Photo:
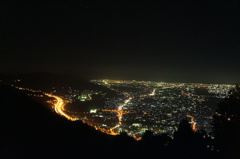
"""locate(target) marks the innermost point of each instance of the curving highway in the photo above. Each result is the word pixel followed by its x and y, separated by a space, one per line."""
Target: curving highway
pixel 59 107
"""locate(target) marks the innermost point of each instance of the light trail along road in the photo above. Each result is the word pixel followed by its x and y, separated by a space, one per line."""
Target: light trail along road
pixel 58 107
pixel 194 125
pixel 120 113
pixel 153 93
pixel 120 110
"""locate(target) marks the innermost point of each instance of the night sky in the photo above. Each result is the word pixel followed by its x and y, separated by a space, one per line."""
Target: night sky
pixel 161 40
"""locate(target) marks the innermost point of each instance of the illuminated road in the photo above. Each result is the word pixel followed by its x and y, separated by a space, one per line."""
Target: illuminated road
pixel 194 127
pixel 59 107
pixel 120 111
pixel 153 92
pixel 194 124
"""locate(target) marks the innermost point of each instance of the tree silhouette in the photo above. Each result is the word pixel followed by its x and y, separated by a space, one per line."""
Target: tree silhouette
pixel 184 132
pixel 226 124
pixel 184 139
pixel 154 145
pixel 124 146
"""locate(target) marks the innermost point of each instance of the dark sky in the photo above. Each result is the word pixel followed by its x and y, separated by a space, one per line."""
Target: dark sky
pixel 161 40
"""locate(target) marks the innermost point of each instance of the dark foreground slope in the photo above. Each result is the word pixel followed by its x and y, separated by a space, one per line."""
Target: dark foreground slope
pixel 30 130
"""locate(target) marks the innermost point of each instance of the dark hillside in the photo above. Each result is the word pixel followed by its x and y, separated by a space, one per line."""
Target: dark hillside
pixel 30 130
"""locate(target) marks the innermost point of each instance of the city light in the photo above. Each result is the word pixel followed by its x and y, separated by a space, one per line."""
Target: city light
pixel 155 106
